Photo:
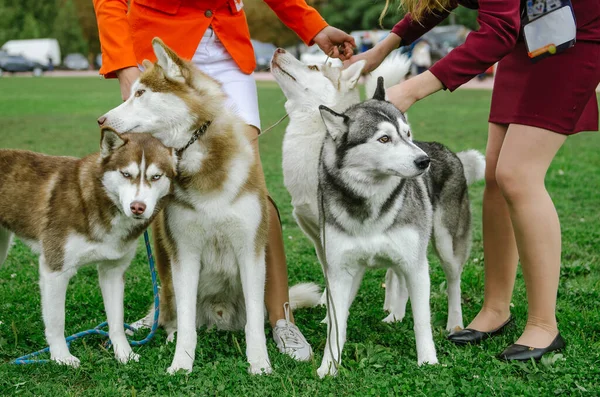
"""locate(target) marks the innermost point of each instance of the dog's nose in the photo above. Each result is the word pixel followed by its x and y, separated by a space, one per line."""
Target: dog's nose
pixel 422 162
pixel 101 120
pixel 137 207
pixel 280 51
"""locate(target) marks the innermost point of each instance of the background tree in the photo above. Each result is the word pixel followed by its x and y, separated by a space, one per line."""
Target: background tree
pixel 67 29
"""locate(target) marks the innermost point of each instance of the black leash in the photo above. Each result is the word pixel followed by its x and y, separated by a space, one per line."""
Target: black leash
pixel 197 134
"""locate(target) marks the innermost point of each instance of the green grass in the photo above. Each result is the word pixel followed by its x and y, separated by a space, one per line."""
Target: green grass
pixel 57 116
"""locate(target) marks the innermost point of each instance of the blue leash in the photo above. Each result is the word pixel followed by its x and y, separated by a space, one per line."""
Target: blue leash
pixel 27 359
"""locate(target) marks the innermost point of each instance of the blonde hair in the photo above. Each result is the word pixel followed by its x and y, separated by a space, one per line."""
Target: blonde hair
pixel 418 8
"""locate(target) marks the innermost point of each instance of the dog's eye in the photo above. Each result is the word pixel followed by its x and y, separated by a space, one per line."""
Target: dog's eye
pixel 156 177
pixel 408 133
pixel 384 139
pixel 126 174
pixel 139 93
pixel 313 67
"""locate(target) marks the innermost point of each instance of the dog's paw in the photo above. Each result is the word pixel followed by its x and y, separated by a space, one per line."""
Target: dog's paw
pixel 262 367
pixel 453 326
pixel 427 360
pixel 393 318
pixel 171 337
pixel 69 360
pixel 124 358
pixel 327 369
pixel 176 367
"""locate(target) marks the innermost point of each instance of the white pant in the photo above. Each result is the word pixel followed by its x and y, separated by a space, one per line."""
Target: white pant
pixel 212 58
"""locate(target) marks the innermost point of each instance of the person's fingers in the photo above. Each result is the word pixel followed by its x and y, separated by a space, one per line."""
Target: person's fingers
pixel 351 42
pixel 348 50
pixel 333 52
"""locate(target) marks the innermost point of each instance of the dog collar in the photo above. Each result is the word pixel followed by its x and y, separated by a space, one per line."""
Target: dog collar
pixel 197 134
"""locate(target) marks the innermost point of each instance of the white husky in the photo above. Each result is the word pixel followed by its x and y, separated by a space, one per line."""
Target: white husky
pixel 440 203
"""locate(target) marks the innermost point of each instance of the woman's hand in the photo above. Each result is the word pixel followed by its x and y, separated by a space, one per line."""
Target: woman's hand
pixel 377 54
pixel 405 94
pixel 335 43
pixel 127 76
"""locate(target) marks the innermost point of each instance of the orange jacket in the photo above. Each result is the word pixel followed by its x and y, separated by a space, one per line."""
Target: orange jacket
pixel 126 35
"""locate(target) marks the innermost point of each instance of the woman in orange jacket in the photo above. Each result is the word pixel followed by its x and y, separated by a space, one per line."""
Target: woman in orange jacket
pixel 214 35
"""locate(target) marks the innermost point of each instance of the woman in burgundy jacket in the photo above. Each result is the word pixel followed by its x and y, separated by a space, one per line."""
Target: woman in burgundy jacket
pixel 535 106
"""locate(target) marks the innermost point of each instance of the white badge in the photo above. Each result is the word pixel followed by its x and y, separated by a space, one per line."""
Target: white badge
pixel 549 27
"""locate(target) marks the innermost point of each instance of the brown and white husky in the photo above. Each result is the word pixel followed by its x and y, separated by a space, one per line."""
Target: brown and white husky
pixel 76 212
pixel 214 231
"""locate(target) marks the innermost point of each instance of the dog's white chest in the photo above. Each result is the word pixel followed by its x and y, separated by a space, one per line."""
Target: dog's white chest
pixel 113 246
pixel 399 247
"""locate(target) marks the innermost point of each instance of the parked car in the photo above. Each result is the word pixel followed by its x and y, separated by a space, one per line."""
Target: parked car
pixel 41 51
pixel 18 63
pixel 76 62
pixel 444 39
pixel 263 53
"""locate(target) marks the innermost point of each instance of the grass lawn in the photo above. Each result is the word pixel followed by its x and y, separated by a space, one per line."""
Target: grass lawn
pixel 57 116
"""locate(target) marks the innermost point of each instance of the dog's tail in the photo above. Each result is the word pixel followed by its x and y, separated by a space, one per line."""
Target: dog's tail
pixel 5 242
pixel 304 295
pixel 393 70
pixel 473 164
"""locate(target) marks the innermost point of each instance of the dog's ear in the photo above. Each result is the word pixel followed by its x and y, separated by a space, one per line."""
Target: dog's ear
pixel 380 90
pixel 167 60
pixel 335 123
pixel 147 64
pixel 352 73
pixel 110 141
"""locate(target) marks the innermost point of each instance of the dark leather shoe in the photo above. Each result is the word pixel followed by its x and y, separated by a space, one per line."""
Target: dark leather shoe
pixel 472 336
pixel 525 353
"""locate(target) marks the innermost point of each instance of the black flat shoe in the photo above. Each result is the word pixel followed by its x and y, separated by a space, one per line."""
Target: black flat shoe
pixel 525 353
pixel 472 336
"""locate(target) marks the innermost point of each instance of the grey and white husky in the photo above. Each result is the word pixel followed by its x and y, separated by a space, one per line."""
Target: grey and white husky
pixel 381 196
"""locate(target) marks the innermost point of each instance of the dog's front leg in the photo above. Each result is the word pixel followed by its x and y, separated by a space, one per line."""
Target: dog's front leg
pixel 53 287
pixel 112 285
pixel 186 272
pixel 340 282
pixel 252 274
pixel 418 283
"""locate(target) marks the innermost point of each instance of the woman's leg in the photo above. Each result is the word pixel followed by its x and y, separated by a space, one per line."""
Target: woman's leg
pixel 499 247
pixel 524 160
pixel 276 289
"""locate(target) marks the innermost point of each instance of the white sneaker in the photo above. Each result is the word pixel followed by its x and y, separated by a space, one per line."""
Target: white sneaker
pixel 289 339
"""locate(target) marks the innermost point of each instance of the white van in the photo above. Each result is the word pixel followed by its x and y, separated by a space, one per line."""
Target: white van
pixel 37 50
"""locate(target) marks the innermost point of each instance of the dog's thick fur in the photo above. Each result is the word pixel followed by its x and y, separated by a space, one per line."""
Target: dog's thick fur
pixel 381 200
pixel 214 233
pixel 75 212
pixel 306 87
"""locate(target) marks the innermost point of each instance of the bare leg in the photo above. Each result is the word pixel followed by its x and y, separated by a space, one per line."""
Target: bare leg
pixel 524 160
pixel 276 287
pixel 499 247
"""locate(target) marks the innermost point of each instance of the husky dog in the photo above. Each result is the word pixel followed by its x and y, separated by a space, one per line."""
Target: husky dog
pixel 75 212
pixel 379 201
pixel 307 87
pixel 214 232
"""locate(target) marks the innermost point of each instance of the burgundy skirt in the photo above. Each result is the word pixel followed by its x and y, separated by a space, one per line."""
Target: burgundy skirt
pixel 557 93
